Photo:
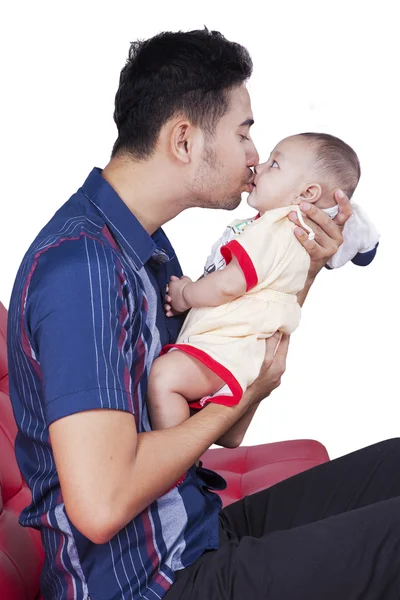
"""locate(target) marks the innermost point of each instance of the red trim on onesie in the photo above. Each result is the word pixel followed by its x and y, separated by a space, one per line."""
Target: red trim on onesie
pixel 217 368
pixel 234 248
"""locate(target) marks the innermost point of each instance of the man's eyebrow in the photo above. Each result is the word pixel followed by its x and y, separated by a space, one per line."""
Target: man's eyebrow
pixel 247 123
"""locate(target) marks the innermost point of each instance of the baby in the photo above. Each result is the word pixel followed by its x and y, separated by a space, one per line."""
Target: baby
pixel 248 291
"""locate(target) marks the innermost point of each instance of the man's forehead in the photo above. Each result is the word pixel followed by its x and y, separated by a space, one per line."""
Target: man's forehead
pixel 240 106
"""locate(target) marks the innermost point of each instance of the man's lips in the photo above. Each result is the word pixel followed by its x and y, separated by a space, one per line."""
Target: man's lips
pixel 250 187
pixel 250 183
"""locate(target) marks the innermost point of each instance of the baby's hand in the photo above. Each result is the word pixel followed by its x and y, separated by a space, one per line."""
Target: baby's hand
pixel 175 303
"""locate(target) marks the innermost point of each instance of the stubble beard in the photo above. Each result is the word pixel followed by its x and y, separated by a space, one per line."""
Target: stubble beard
pixel 212 187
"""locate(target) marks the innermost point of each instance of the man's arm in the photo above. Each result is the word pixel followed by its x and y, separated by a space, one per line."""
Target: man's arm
pixel 109 473
pixel 301 296
pixel 234 437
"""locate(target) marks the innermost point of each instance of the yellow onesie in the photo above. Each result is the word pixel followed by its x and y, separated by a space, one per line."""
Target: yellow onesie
pixel 229 339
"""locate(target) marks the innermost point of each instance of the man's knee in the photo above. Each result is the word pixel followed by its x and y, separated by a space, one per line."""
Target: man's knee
pixel 388 447
pixel 392 444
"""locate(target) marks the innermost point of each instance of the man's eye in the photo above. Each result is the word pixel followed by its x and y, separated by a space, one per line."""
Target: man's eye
pixel 274 165
pixel 243 137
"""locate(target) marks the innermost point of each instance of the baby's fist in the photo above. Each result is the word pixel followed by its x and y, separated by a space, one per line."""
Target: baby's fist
pixel 175 300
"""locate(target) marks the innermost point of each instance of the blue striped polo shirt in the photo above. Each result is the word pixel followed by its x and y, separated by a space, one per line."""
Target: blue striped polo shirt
pixel 86 321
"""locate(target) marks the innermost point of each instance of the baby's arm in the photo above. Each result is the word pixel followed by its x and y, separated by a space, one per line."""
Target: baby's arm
pixel 217 288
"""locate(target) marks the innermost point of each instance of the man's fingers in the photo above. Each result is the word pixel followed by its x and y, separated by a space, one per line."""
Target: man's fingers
pixel 277 345
pixel 328 236
pixel 283 346
pixel 281 355
pixel 345 208
pixel 271 346
pixel 276 349
pixel 319 234
pixel 321 222
pixel 313 247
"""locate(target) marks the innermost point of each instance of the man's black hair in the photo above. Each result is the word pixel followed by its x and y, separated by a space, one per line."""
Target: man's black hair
pixel 175 73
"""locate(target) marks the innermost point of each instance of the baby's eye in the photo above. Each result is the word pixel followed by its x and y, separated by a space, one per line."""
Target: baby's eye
pixel 243 138
pixel 274 165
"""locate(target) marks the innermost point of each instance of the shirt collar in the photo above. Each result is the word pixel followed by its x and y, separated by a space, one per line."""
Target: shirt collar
pixel 126 228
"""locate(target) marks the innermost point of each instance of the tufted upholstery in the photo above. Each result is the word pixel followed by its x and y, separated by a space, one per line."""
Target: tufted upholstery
pixel 21 554
pixel 3 350
pixel 246 469
pixel 249 469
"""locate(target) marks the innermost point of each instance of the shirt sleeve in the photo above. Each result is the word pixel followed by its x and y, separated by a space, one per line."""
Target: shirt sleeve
pixel 264 250
pixel 78 322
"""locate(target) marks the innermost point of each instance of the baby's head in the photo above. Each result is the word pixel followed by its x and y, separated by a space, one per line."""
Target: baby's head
pixel 307 166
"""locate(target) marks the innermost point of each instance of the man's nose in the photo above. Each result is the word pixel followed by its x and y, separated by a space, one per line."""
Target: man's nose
pixel 253 158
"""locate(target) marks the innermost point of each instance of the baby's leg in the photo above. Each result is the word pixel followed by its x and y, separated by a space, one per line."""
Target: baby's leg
pixel 176 378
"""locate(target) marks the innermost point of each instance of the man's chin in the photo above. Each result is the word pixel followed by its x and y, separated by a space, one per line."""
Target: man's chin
pixel 232 203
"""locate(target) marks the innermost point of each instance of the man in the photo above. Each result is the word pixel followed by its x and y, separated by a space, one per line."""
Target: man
pixel 123 510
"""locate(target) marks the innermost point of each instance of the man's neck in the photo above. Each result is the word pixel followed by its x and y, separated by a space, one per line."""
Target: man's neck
pixel 148 190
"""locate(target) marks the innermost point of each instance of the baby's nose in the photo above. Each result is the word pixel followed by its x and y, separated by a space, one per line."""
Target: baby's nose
pixel 261 167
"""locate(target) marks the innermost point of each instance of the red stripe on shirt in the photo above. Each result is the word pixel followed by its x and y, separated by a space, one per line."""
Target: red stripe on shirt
pixel 233 248
pixel 25 339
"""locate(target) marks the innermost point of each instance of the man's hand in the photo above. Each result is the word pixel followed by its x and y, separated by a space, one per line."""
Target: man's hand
pixel 328 232
pixel 276 349
pixel 273 367
pixel 175 302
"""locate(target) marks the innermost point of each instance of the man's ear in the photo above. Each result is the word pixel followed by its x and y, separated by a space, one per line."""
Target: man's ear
pixel 311 193
pixel 181 140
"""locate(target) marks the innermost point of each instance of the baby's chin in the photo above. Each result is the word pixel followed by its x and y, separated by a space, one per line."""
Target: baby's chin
pixel 261 204
pixel 254 202
pixel 251 199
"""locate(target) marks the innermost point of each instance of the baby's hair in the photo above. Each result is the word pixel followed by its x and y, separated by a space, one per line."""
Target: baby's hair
pixel 336 159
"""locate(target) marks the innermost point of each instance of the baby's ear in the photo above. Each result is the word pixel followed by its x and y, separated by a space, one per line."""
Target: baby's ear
pixel 312 193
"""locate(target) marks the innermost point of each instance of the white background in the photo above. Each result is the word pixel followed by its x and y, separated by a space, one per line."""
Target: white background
pixel 318 66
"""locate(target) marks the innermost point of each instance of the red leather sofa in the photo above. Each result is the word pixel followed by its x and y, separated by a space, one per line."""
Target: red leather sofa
pixel 246 469
pixel 21 553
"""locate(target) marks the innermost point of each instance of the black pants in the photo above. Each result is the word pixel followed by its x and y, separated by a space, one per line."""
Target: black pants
pixel 330 533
